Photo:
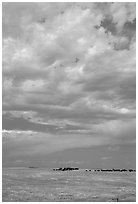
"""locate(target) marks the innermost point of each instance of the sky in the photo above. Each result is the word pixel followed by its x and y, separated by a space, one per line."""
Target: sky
pixel 69 92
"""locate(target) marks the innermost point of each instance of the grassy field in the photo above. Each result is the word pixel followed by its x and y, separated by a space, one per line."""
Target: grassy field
pixel 31 185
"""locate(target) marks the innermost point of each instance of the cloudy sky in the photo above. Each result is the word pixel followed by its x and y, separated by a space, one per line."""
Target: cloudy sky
pixel 69 84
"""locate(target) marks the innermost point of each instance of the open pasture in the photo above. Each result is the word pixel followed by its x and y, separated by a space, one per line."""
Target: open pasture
pixel 31 185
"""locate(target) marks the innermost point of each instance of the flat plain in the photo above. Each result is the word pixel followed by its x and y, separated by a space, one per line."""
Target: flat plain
pixel 46 185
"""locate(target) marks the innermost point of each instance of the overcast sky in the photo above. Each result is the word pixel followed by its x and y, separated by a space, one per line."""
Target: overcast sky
pixel 69 84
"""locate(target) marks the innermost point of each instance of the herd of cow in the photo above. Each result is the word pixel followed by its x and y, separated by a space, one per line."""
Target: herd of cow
pixel 97 170
pixel 66 169
pixel 115 170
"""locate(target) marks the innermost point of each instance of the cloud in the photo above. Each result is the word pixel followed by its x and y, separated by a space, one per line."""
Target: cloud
pixel 32 143
pixel 69 69
pixel 71 162
pixel 105 158
pixel 123 12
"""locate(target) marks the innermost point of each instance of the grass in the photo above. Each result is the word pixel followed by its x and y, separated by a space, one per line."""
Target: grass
pixel 31 185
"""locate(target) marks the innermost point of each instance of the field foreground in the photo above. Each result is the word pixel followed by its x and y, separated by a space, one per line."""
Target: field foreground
pixel 36 185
